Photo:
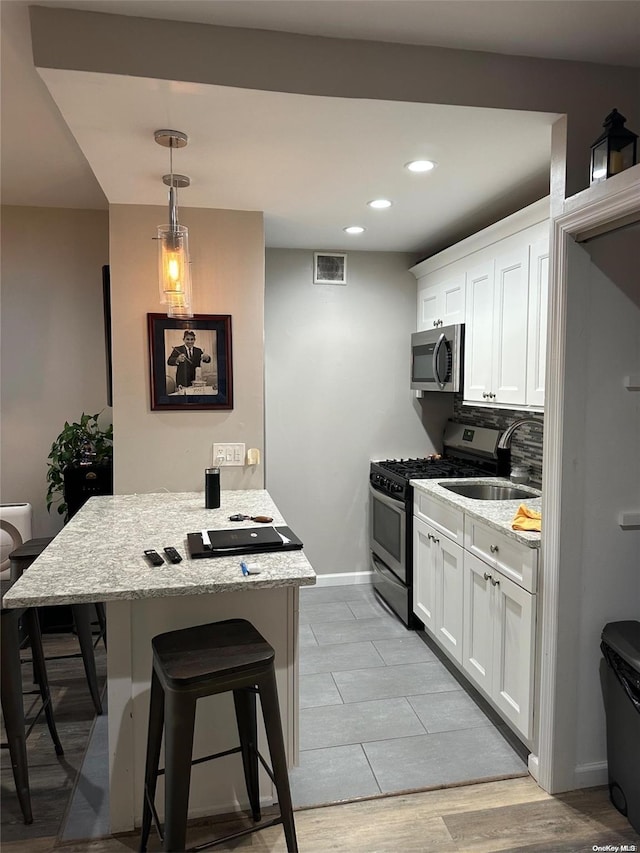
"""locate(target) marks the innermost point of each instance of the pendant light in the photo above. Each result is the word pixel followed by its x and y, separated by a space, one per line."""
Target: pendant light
pixel 173 239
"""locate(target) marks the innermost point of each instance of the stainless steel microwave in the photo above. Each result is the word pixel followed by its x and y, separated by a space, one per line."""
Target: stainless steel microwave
pixel 437 359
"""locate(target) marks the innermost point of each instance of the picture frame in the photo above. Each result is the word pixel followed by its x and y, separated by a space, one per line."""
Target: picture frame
pixel 190 362
pixel 329 268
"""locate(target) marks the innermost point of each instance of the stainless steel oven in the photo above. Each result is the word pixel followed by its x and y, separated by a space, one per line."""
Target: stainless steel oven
pixel 388 531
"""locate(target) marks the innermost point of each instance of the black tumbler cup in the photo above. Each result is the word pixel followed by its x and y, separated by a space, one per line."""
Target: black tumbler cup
pixel 212 488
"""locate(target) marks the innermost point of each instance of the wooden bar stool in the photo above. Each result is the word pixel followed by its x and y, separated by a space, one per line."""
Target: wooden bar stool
pixel 11 694
pixel 189 664
pixel 20 560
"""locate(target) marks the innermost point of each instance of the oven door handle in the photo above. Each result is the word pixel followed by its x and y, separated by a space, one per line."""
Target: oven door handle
pixel 385 499
pixel 375 562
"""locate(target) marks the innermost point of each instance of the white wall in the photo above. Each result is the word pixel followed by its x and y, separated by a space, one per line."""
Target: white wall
pixel 337 395
pixel 157 451
pixel 601 478
pixel 53 347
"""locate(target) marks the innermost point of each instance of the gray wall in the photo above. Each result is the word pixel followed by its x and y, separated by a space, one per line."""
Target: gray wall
pixel 53 349
pixel 337 395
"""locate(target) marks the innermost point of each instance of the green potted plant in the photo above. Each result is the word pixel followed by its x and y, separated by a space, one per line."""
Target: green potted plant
pixel 80 443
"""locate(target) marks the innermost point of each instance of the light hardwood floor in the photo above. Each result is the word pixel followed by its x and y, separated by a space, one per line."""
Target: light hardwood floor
pixel 508 815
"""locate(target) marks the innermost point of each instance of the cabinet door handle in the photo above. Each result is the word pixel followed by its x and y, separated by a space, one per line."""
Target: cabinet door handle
pixel 429 536
pixel 493 549
pixel 484 395
pixel 487 577
pixel 493 396
pixel 495 583
pixel 437 541
pixel 435 322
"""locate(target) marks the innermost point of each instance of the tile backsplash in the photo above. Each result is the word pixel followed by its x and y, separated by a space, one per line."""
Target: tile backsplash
pixel 526 446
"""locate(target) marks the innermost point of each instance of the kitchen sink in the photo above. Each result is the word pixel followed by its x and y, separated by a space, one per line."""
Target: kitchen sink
pixel 487 491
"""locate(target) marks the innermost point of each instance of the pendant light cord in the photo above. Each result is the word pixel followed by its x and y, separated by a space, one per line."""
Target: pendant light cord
pixel 173 201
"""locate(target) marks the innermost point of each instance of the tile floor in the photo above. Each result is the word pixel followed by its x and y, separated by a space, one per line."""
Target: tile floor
pixel 379 712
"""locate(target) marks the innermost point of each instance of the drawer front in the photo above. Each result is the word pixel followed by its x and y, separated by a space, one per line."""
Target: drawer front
pixel 445 519
pixel 516 561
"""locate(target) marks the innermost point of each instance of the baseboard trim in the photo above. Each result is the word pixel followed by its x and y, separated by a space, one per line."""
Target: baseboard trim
pixel 592 774
pixel 343 579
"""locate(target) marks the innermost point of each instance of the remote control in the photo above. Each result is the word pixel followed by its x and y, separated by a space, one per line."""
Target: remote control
pixel 172 555
pixel 154 558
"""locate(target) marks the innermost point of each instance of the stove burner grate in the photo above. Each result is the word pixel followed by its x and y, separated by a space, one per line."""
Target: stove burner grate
pixel 430 468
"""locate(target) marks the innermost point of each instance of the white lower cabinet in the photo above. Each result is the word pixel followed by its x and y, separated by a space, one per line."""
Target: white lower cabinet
pixel 480 609
pixel 438 586
pixel 499 642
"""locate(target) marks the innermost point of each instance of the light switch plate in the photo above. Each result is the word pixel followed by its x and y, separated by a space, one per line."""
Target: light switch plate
pixel 228 454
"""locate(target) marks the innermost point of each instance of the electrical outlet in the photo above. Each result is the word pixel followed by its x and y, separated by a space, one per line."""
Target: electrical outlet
pixel 228 454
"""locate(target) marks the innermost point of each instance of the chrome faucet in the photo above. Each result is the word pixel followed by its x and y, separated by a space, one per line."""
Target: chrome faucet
pixel 505 439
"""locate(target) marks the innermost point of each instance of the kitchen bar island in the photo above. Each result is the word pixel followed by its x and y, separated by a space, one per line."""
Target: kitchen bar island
pixel 98 556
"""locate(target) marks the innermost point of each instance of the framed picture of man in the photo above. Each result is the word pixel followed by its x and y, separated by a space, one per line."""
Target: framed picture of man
pixel 190 362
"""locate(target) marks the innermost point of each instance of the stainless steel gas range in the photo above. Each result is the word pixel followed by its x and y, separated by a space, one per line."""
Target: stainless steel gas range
pixel 468 452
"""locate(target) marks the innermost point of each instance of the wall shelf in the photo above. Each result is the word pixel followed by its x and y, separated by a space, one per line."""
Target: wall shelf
pixel 632 383
pixel 629 520
pixel 617 185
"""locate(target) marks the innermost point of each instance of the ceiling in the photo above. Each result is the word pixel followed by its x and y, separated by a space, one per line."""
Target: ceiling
pixel 310 163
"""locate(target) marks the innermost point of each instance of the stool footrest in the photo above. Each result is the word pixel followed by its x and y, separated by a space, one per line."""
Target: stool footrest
pixel 195 761
pixel 207 844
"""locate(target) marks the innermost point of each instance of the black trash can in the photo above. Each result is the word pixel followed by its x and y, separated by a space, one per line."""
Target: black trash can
pixel 620 676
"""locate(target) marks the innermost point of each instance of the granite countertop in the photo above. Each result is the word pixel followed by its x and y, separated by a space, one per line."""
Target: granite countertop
pixel 98 556
pixel 497 514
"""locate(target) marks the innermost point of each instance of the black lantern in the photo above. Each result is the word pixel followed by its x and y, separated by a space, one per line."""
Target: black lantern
pixel 615 150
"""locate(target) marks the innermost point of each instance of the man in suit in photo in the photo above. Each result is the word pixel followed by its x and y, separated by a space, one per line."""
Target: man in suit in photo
pixel 187 358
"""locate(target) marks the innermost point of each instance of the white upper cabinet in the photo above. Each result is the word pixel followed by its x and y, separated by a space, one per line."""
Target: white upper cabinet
pixel 495 282
pixel 441 302
pixel 510 326
pixel 496 327
pixel 538 299
pixel 478 343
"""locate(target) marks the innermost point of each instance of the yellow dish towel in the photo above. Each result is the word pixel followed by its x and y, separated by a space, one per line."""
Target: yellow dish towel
pixel 527 519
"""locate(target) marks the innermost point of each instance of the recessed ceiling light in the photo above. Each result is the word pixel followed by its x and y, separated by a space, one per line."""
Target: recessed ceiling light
pixel 420 165
pixel 354 229
pixel 379 203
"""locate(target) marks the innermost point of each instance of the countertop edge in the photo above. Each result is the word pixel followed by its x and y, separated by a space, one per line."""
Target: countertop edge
pixel 241 585
pixel 478 509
